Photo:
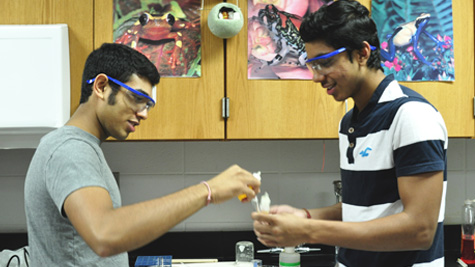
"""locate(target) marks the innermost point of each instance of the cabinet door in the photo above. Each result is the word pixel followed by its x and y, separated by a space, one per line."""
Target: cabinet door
pixel 187 108
pixel 290 109
pixel 275 109
pixel 454 99
pixel 78 15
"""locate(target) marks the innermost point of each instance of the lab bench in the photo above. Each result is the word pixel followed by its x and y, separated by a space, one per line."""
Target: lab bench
pixel 221 246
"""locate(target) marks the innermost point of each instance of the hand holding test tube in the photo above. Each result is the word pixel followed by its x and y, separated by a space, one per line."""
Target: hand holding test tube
pixel 256 175
pixel 264 203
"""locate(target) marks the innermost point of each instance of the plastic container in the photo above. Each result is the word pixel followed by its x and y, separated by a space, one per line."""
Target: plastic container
pixel 468 227
pixel 289 258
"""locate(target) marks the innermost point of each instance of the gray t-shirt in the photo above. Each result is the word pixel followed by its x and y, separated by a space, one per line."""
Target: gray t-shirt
pixel 66 160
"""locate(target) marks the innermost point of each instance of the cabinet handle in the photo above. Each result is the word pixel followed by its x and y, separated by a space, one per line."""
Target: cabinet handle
pixel 225 107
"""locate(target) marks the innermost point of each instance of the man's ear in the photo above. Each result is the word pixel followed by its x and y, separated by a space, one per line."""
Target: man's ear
pixel 364 53
pixel 99 85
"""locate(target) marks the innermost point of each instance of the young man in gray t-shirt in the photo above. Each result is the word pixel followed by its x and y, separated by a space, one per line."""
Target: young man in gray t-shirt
pixel 73 207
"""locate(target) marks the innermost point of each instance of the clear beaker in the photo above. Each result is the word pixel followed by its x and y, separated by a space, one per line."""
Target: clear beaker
pixel 244 251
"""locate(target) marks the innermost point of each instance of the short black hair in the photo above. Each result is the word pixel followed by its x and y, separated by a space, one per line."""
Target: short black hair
pixel 117 61
pixel 343 23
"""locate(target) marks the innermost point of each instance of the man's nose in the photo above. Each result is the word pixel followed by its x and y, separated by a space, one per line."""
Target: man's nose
pixel 317 77
pixel 143 114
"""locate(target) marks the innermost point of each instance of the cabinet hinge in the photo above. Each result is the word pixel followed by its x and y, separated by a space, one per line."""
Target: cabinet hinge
pixel 225 107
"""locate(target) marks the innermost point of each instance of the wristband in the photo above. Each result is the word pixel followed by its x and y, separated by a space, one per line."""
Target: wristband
pixel 308 213
pixel 208 199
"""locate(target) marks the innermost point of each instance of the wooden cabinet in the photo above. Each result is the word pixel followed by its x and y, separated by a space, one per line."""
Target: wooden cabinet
pixel 190 108
pixel 187 108
pixel 275 109
pixel 263 109
pixel 455 99
pixel 79 17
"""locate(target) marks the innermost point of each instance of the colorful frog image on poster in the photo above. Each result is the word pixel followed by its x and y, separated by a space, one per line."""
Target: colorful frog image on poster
pixel 286 48
pixel 167 32
pixel 416 39
pixel 285 34
pixel 409 34
pixel 275 49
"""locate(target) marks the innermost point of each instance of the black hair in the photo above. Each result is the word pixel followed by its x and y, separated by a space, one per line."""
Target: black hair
pixel 117 61
pixel 343 23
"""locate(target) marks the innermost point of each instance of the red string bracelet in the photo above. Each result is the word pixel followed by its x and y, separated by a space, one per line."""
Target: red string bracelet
pixel 208 200
pixel 308 213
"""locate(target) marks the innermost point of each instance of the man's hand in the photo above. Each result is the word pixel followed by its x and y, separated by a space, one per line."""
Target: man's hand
pixel 280 230
pixel 233 182
pixel 279 209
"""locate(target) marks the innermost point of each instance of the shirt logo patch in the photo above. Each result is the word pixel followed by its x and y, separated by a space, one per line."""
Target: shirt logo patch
pixel 365 152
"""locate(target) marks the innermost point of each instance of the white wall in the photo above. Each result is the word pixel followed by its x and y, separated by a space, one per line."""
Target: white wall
pixel 291 172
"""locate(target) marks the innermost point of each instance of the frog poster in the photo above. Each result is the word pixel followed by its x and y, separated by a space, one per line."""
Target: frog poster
pixel 275 49
pixel 416 39
pixel 167 32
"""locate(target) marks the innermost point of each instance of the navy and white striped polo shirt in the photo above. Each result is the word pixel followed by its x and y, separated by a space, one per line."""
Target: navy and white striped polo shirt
pixel 399 133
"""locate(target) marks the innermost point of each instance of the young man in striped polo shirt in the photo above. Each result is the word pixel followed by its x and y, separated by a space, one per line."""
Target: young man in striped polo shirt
pixel 393 147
